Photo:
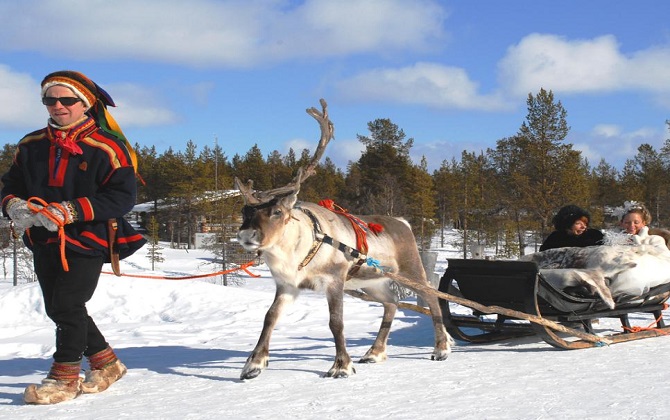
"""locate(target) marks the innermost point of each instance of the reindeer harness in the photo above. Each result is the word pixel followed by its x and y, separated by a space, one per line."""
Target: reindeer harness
pixel 319 238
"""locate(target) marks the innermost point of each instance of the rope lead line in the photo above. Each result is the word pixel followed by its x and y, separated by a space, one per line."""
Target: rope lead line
pixel 647 328
pixel 30 203
pixel 244 267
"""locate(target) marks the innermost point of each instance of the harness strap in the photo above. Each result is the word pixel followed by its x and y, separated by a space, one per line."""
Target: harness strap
pixel 316 245
pixel 347 250
pixel 316 234
pixel 320 238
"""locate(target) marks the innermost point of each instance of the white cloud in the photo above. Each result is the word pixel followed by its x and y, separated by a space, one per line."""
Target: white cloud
pixel 344 151
pixel 606 130
pixel 298 145
pixel 20 104
pixel 438 151
pixel 136 106
pixel 428 84
pixel 200 92
pixel 341 152
pixel 648 70
pixel 612 143
pixel 588 152
pixel 576 66
pixel 208 33
pixel 327 28
pixel 537 61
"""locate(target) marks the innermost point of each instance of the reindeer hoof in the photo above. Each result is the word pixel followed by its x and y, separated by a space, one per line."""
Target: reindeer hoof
pixel 337 375
pixel 254 366
pixel 251 373
pixel 440 355
pixel 373 358
pixel 340 373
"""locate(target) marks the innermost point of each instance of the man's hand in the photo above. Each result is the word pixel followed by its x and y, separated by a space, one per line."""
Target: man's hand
pixel 21 215
pixel 56 215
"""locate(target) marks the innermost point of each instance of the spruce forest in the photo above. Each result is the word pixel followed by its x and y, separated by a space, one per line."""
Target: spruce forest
pixel 503 197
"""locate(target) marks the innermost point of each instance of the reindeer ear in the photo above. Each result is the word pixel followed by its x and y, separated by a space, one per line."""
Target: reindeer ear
pixel 289 200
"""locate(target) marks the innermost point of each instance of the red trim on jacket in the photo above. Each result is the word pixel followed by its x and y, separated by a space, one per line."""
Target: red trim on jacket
pixel 116 152
pixel 77 243
pixel 86 208
pixel 95 238
pixel 130 239
pixel 57 174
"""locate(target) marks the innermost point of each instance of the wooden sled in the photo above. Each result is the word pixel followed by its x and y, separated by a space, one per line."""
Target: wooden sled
pixel 519 286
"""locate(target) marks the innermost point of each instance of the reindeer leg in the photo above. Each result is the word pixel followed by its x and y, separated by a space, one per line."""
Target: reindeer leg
pixel 343 366
pixel 260 357
pixel 377 353
pixel 443 340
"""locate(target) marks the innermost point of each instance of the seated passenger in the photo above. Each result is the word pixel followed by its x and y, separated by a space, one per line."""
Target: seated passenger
pixel 635 220
pixel 572 229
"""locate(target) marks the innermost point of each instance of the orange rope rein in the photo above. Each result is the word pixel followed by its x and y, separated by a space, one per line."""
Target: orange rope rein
pixel 30 203
pixel 647 328
pixel 244 267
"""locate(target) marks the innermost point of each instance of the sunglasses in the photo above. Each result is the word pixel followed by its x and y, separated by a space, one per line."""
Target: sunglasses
pixel 65 101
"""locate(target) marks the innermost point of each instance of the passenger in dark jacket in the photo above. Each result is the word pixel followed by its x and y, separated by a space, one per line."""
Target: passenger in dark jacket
pixel 67 182
pixel 572 229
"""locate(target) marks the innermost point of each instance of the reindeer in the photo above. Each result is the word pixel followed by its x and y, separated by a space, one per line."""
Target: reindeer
pixel 288 235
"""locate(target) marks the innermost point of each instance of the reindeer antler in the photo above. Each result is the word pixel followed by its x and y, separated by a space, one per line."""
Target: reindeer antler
pixel 252 197
pixel 327 133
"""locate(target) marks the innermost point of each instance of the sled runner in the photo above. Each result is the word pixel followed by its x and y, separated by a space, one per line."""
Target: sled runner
pixel 519 286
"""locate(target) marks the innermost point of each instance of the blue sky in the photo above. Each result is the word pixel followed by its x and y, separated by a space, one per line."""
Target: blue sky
pixel 454 75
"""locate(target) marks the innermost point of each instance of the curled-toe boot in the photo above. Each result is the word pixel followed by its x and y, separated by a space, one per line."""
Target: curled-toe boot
pixel 106 369
pixel 61 384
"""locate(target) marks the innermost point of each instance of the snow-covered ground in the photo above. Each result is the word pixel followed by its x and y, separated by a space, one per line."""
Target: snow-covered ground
pixel 185 342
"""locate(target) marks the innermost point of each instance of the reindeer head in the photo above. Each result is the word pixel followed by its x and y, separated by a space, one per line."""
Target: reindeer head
pixel 265 213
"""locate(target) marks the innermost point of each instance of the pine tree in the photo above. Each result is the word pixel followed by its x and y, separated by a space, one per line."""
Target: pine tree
pixel 652 180
pixel 385 170
pixel 447 180
pixel 326 183
pixel 421 205
pixel 154 254
pixel 540 172
pixel 253 167
pixel 605 191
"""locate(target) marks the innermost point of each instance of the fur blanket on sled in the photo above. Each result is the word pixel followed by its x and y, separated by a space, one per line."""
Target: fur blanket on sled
pixel 606 271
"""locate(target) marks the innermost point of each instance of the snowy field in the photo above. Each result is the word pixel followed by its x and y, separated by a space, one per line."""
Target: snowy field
pixel 185 342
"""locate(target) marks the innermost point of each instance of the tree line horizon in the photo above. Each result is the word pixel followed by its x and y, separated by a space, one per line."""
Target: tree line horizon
pixel 504 196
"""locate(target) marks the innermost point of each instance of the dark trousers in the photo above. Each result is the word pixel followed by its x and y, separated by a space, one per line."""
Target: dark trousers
pixel 65 295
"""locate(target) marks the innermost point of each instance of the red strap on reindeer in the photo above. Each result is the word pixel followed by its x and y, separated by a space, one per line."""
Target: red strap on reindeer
pixel 360 227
